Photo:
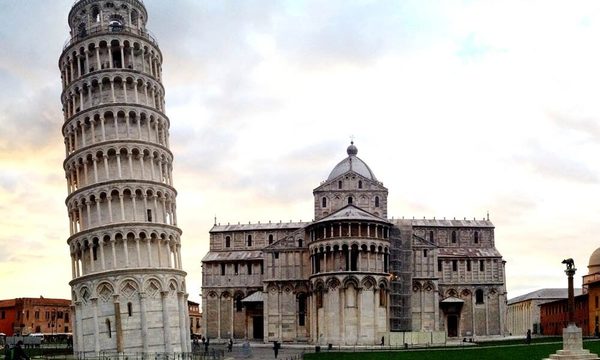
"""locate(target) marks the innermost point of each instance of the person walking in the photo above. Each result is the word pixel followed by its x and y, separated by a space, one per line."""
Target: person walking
pixel 276 348
pixel 528 338
pixel 18 352
pixel 7 352
pixel 230 345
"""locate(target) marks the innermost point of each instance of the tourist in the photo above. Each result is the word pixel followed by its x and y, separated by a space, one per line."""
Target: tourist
pixel 18 352
pixel 276 348
pixel 528 339
pixel 7 353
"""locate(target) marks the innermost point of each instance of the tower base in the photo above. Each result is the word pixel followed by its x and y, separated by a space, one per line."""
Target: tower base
pixel 573 346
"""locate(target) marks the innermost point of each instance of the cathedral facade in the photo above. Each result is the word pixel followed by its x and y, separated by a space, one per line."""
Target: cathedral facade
pixel 352 276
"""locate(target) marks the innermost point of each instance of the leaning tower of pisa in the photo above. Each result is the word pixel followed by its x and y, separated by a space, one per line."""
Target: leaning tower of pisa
pixel 128 286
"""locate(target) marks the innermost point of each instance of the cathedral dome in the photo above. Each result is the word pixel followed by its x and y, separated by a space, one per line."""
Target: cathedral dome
pixel 352 163
pixel 594 264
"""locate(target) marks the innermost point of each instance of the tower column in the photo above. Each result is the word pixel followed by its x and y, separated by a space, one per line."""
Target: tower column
pixel 166 324
pixel 101 244
pixel 144 321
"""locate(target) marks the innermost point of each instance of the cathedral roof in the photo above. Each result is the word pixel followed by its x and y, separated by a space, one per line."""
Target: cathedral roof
pixel 463 252
pixel 233 255
pixel 352 163
pixel 444 223
pixel 259 226
pixel 351 212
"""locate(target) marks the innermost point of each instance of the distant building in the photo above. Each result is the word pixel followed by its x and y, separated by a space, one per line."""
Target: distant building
pixel 591 283
pixel 353 275
pixel 195 318
pixel 524 311
pixel 554 315
pixel 23 316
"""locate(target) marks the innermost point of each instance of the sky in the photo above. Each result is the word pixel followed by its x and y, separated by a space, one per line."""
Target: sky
pixel 460 108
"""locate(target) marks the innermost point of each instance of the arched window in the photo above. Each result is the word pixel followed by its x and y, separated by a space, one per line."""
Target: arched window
pixel 300 243
pixel 376 201
pixel 96 14
pixel 302 309
pixel 319 299
pixel 249 242
pixel 360 184
pixel 134 17
pixel 270 239
pixel 324 202
pixel 108 329
pixel 81 30
pixel 454 237
pixel 382 296
pixel 476 237
pixel 479 296
pixel 354 258
pixel 238 303
pixel 340 184
pixel 227 241
pixel 349 199
pixel 115 23
pixel 249 265
pixel 129 309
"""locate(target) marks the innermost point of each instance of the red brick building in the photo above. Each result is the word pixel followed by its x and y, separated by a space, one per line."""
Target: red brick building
pixel 23 316
pixel 195 318
pixel 554 316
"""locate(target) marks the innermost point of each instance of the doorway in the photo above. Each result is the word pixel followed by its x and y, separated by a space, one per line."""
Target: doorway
pixel 257 328
pixel 452 326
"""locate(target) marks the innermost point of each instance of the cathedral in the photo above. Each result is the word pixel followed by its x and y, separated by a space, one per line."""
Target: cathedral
pixel 352 276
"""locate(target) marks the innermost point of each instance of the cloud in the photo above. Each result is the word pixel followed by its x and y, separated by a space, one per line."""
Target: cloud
pixel 34 120
pixel 587 124
pixel 549 163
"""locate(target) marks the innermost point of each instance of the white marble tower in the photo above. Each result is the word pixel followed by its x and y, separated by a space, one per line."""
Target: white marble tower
pixel 128 286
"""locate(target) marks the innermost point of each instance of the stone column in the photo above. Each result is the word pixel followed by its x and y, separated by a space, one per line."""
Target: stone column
pixel 96 326
pixel 182 320
pixel 78 345
pixel 144 322
pixel 118 324
pixel 166 325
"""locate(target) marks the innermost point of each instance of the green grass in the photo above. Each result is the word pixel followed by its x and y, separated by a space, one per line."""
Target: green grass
pixel 497 351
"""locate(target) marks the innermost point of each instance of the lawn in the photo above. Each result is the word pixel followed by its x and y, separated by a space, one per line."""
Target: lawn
pixel 499 351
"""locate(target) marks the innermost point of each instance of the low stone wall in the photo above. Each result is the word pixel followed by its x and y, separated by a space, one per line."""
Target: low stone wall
pixel 419 338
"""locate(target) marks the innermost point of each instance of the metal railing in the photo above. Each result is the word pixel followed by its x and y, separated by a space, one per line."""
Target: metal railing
pixel 110 29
